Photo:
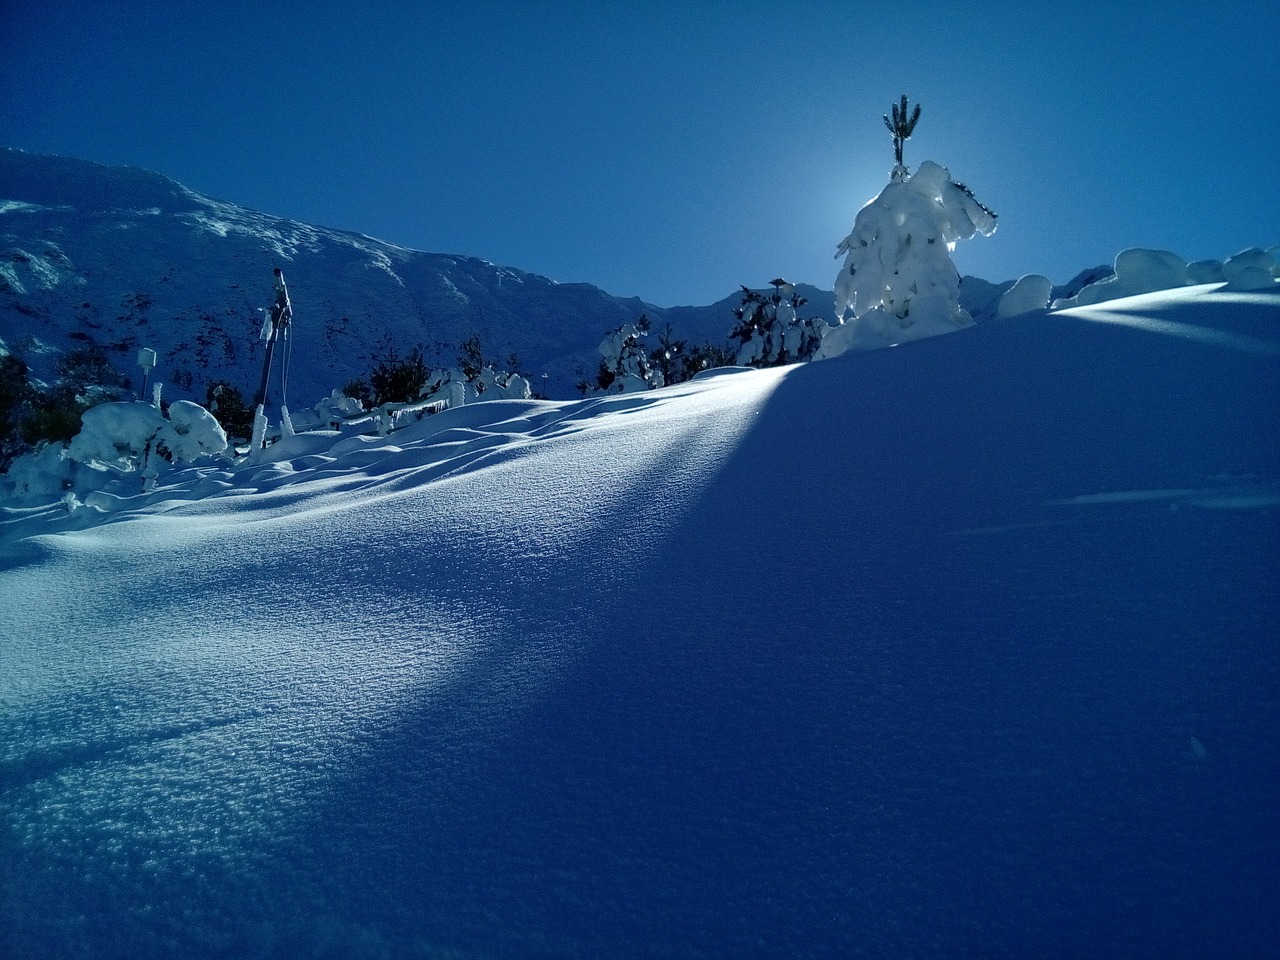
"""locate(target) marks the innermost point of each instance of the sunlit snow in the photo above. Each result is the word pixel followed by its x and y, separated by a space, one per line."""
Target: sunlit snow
pixel 961 648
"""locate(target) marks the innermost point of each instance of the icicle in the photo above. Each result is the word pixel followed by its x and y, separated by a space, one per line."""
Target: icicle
pixel 286 424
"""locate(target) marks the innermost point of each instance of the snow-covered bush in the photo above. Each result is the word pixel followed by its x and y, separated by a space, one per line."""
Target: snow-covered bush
pixel 43 474
pixel 457 388
pixel 503 386
pixel 898 279
pixel 1251 269
pixel 117 435
pixel 624 365
pixel 769 330
pixel 123 436
pixel 191 432
pixel 1137 271
pixel 1027 294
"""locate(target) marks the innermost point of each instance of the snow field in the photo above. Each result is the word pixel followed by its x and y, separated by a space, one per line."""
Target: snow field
pixel 963 647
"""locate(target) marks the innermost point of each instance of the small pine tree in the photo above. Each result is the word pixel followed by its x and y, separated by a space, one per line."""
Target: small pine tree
pixel 398 379
pixel 624 363
pixel 226 402
pixel 471 357
pixel 769 331
pixel 15 395
pixel 54 414
pixel 667 356
pixel 358 389
pixel 705 356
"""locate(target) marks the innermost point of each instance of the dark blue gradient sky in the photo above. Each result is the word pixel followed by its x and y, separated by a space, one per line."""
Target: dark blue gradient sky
pixel 673 150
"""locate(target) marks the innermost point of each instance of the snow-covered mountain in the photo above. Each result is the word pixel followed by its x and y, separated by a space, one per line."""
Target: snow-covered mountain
pixel 126 258
pixel 964 648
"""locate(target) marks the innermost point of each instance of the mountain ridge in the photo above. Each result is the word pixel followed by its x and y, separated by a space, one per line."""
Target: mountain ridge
pixel 122 258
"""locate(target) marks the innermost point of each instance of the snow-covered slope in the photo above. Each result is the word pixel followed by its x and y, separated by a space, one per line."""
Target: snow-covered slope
pixel 962 648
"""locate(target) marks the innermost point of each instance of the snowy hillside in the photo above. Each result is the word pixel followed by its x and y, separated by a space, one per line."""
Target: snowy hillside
pixel 961 648
pixel 127 258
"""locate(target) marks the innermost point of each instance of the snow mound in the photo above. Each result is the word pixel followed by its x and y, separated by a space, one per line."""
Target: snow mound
pixel 1139 271
pixel 1028 294
pixel 1251 269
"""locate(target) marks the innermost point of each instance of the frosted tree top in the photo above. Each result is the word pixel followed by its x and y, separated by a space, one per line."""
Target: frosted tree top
pixel 898 279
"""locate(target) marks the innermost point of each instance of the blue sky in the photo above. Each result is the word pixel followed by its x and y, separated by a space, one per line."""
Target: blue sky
pixel 673 150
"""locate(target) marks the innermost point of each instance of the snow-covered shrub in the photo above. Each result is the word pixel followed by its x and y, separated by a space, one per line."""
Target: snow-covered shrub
pixel 1251 269
pixel 116 435
pixel 1137 271
pixel 337 405
pixel 190 432
pixel 503 386
pixel 769 330
pixel 396 379
pixel 898 279
pixel 44 473
pixel 123 436
pixel 1205 271
pixel 1027 294
pixel 624 365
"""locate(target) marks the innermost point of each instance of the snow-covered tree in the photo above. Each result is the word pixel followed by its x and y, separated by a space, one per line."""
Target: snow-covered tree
pixel 624 365
pixel 769 329
pixel 898 279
